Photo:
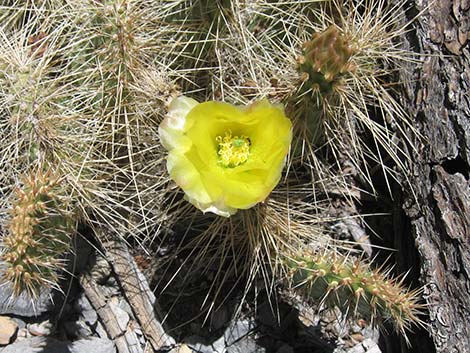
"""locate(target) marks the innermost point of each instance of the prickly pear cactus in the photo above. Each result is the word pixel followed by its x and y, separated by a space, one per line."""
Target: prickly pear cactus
pixel 87 113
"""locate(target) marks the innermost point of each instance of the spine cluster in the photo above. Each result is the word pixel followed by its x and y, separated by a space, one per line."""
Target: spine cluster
pixel 357 290
pixel 326 57
pixel 38 235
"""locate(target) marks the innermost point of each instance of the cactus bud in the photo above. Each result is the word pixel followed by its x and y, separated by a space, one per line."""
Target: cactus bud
pixel 325 59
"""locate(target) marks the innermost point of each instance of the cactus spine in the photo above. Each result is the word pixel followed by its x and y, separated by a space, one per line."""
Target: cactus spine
pixel 35 126
pixel 335 280
pixel 39 232
pixel 326 57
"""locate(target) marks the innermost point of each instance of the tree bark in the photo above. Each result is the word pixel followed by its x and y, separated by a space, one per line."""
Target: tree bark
pixel 438 214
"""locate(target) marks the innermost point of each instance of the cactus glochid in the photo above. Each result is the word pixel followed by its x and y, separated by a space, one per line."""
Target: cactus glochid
pixel 335 280
pixel 38 236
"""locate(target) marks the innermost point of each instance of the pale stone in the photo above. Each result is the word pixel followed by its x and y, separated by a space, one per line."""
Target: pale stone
pixel 8 329
pixel 40 329
pixel 51 345
pixel 183 348
pixel 22 305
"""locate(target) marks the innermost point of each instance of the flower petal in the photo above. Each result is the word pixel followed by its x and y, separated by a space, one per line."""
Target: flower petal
pixel 178 111
pixel 219 208
pixel 186 176
pixel 173 139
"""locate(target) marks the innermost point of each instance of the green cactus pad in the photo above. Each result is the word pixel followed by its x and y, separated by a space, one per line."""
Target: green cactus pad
pixel 335 280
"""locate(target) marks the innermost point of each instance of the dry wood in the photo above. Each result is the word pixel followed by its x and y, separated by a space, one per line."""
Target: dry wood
pixel 123 339
pixel 139 295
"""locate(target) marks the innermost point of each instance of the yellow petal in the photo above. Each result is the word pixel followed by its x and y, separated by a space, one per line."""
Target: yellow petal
pixel 186 176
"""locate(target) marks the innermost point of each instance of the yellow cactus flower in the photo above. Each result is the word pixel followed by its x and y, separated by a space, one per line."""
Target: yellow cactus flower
pixel 225 157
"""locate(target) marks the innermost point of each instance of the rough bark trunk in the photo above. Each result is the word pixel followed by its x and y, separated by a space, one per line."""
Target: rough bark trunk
pixel 438 215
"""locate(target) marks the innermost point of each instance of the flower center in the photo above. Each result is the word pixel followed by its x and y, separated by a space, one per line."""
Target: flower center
pixel 233 151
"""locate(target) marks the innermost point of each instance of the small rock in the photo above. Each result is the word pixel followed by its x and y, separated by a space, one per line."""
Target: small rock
pixel 184 349
pixel 372 333
pixel 21 324
pixel 35 344
pixel 121 316
pixel 22 305
pixel 100 330
pixel 240 329
pixel 50 345
pixel 374 349
pixel 356 349
pixel 22 334
pixel 132 341
pixel 124 305
pixel 83 306
pixel 138 331
pixel 140 335
pixel 370 346
pixel 8 330
pixel 40 329
pixel 219 345
pixel 367 346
